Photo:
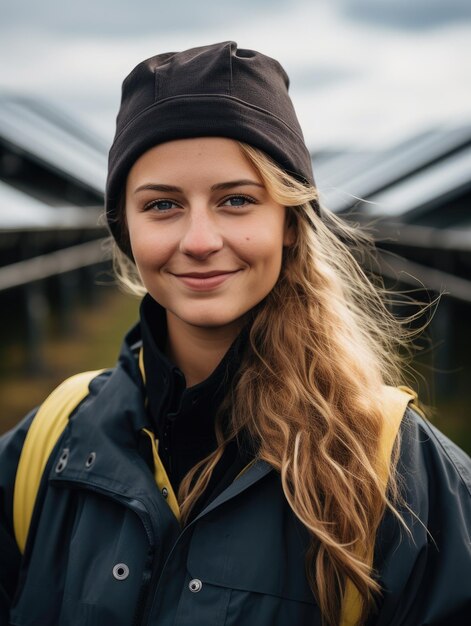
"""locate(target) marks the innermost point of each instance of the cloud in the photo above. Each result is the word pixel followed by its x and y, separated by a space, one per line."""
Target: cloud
pixel 320 76
pixel 113 18
pixel 406 14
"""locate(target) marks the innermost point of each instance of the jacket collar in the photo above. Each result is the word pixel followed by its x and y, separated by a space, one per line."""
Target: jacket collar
pixel 191 409
pixel 110 420
pixel 110 423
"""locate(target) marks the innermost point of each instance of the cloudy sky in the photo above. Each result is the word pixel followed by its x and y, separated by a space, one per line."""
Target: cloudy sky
pixel 364 73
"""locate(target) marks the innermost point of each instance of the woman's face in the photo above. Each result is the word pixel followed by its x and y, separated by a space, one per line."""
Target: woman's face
pixel 206 236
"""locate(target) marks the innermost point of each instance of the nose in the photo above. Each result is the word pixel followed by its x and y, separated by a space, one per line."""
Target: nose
pixel 201 236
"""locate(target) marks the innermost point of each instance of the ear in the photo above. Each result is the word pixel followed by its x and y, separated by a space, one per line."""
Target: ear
pixel 289 233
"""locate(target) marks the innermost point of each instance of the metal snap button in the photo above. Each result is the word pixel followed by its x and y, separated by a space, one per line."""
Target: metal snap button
pixel 90 460
pixel 165 492
pixel 120 571
pixel 195 585
pixel 62 463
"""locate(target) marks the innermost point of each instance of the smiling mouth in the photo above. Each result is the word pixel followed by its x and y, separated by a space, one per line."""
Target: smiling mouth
pixel 204 281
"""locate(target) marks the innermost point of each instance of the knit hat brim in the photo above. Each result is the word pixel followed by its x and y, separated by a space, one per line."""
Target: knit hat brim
pixel 184 117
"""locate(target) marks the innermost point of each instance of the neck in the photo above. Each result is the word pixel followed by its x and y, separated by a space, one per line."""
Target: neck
pixel 195 350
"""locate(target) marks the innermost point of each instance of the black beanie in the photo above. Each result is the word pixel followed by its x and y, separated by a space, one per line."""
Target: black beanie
pixel 211 91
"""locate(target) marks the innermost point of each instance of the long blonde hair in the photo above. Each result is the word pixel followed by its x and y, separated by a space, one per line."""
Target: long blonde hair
pixel 308 392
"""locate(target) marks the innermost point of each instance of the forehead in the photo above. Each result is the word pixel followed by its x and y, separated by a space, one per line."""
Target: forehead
pixel 211 157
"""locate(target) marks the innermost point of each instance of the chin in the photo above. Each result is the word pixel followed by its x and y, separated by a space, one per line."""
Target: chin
pixel 211 319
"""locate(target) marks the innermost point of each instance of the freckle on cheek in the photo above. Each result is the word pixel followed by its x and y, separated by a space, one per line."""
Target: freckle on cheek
pixel 247 239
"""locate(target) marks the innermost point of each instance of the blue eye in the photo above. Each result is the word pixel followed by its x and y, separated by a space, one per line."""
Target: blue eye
pixel 160 205
pixel 236 201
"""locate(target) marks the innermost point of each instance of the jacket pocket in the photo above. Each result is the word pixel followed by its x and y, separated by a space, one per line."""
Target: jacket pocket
pixel 253 576
pixel 85 570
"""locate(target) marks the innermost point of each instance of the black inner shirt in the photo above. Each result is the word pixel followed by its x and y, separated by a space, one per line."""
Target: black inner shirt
pixel 183 418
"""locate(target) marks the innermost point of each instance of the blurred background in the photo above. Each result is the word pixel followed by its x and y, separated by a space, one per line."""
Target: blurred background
pixel 382 90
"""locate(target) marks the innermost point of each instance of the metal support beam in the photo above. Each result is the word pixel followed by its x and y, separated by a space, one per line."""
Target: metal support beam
pixel 59 262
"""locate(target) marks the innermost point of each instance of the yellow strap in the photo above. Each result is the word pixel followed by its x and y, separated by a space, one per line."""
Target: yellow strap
pixel 160 474
pixel 395 401
pixel 46 428
pixel 161 477
pixel 141 364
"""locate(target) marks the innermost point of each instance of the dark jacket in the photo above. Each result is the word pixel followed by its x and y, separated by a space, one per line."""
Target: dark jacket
pixel 105 549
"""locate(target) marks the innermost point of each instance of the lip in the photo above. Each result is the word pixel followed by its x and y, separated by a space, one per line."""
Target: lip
pixel 205 281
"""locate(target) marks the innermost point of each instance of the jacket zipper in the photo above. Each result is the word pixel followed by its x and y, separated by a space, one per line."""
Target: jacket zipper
pixel 156 576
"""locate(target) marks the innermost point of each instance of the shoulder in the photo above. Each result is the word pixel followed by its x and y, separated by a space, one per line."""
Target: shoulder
pixel 425 567
pixel 11 445
pixel 426 449
pixel 12 440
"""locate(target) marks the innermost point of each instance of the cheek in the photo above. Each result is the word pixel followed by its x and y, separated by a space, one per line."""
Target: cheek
pixel 264 258
pixel 259 234
pixel 149 249
pixel 263 247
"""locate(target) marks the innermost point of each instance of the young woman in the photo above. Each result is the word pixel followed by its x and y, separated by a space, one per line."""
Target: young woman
pixel 249 460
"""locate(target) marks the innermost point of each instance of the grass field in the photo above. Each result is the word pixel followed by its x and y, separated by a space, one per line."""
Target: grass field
pixel 93 343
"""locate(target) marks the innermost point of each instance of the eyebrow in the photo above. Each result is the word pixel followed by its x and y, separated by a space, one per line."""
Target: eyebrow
pixel 217 187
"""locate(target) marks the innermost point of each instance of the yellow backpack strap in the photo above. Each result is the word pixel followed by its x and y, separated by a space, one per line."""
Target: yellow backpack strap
pixel 46 428
pixel 395 401
pixel 161 477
